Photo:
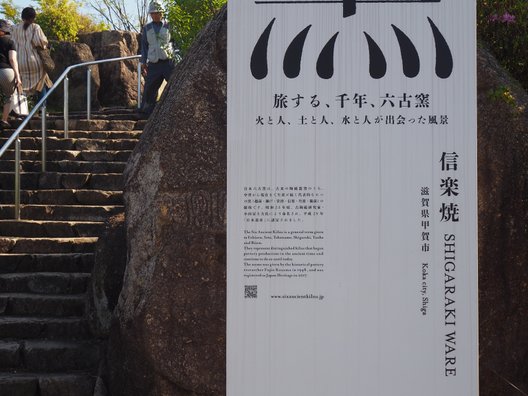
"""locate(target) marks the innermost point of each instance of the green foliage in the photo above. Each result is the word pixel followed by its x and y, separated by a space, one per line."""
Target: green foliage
pixel 10 11
pixel 61 20
pixel 188 17
pixel 503 25
pixel 503 94
pixel 88 25
pixel 58 19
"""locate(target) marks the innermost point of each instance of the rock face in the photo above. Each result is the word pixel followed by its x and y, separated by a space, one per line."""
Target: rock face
pixel 65 54
pixel 118 78
pixel 107 276
pixel 503 231
pixel 169 334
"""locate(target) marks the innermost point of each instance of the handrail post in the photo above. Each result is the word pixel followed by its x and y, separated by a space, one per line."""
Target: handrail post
pixel 139 85
pixel 17 179
pixel 88 92
pixel 66 103
pixel 44 136
pixel 15 137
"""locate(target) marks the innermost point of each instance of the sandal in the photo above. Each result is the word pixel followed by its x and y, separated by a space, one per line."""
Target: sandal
pixel 4 124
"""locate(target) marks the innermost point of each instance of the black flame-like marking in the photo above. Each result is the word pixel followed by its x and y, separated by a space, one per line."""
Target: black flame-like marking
pixel 325 62
pixel 259 57
pixel 377 62
pixel 410 58
pixel 444 59
pixel 293 56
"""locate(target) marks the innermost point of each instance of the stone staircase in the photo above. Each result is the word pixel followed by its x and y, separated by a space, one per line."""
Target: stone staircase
pixel 46 258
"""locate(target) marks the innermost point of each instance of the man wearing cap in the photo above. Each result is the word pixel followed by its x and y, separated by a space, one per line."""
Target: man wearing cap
pixel 156 56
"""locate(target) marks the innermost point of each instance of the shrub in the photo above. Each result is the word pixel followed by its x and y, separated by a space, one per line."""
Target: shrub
pixel 61 20
pixel 188 17
pixel 10 10
pixel 503 25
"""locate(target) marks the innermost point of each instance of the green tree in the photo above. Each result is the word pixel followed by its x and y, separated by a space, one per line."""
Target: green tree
pixel 188 17
pixel 87 24
pixel 10 11
pixel 61 20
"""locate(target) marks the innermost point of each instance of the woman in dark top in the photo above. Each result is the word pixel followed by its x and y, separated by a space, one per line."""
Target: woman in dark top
pixel 9 75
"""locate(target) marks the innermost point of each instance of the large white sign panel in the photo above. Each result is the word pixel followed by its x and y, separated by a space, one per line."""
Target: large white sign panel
pixel 352 216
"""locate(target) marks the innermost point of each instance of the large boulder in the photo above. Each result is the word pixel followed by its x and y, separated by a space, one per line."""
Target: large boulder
pixel 66 54
pixel 503 230
pixel 118 78
pixel 104 288
pixel 107 276
pixel 168 337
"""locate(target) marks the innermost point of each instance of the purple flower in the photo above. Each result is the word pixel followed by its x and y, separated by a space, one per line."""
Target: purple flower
pixel 508 18
pixel 494 18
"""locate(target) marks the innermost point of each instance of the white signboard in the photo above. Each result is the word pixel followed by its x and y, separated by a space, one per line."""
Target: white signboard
pixel 352 216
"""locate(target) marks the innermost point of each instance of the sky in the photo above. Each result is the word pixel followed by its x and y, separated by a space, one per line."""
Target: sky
pixel 130 5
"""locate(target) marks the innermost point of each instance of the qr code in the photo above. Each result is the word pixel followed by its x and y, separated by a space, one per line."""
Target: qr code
pixel 250 291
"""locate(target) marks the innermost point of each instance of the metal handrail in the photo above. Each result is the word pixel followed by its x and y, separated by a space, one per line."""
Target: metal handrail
pixel 15 137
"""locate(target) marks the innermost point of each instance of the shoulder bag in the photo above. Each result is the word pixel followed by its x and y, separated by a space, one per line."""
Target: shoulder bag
pixel 45 57
pixel 47 61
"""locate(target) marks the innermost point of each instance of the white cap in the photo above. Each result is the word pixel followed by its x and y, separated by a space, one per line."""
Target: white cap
pixel 154 7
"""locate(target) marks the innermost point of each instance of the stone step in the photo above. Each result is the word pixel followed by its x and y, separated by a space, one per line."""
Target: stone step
pixel 25 304
pixel 61 212
pixel 49 356
pixel 47 245
pixel 44 283
pixel 124 114
pixel 101 111
pixel 37 133
pixel 67 166
pixel 83 124
pixel 19 385
pixel 44 384
pixel 55 143
pixel 96 113
pixel 62 155
pixel 51 180
pixel 87 125
pixel 63 197
pixel 65 262
pixel 49 328
pixel 10 354
pixel 50 229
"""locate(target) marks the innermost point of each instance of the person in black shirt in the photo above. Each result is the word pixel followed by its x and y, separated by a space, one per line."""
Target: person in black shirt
pixel 9 75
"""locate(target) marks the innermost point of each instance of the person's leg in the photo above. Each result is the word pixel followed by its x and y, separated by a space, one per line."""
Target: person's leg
pixel 7 86
pixel 41 94
pixel 168 68
pixel 5 111
pixel 153 82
